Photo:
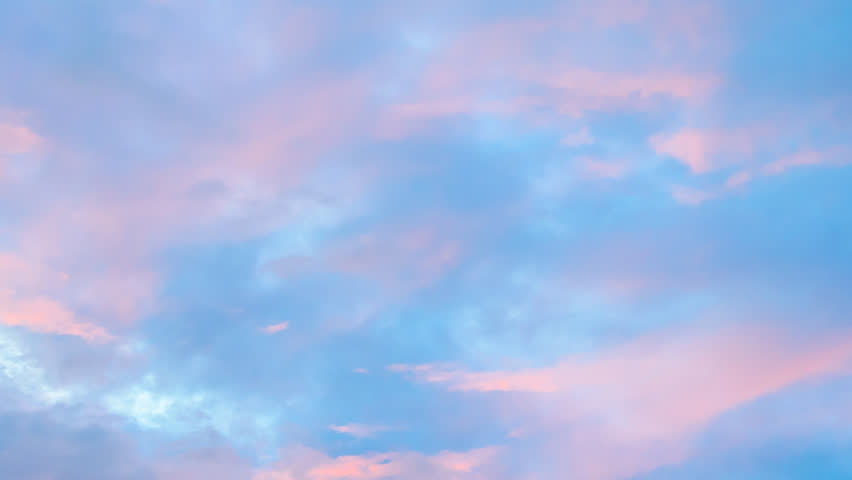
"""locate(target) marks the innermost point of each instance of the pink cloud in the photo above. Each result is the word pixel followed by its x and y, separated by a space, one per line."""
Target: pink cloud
pixel 570 92
pixel 790 161
pixel 104 240
pixel 621 85
pixel 16 139
pixel 355 468
pixel 108 236
pixel 499 69
pixel 834 157
pixel 755 360
pixel 641 402
pixel 43 315
pixel 538 381
pixel 278 327
pixel 705 150
pixel 29 298
pixel 738 179
pixel 465 462
pixel 359 430
pixel 300 463
pixel 690 147
pixel 18 273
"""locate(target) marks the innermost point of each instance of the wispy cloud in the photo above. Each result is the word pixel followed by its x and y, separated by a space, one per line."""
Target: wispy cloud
pixel 705 150
pixel 359 430
pixel 46 316
pixel 278 327
pixel 645 392
pixel 307 464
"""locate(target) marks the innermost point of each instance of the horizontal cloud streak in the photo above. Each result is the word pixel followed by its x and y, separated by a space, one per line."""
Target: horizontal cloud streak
pixel 659 388
pixel 308 464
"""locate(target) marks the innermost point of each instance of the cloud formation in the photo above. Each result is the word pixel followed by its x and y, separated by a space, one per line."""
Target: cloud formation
pixel 281 240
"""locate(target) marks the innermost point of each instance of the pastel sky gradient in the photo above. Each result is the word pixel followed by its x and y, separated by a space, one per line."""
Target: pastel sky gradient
pixel 409 240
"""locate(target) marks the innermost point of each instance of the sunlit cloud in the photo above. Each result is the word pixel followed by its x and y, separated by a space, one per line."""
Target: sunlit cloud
pixel 359 430
pixel 278 327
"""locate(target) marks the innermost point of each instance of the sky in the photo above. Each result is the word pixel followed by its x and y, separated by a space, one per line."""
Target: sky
pixel 456 240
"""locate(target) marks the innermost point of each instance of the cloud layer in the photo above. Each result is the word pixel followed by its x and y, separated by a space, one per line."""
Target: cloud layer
pixel 396 240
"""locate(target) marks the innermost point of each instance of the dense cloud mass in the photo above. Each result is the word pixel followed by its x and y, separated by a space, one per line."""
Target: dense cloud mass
pixel 479 240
